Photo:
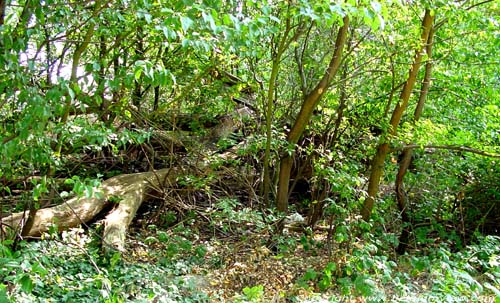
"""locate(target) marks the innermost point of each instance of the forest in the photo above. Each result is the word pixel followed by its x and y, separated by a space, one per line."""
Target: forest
pixel 250 151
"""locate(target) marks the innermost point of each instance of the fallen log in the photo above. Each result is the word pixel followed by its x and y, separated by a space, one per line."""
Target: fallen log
pixel 130 189
pixel 138 189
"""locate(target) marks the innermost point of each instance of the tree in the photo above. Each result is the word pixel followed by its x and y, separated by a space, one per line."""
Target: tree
pixel 284 40
pixel 310 102
pixel 406 156
pixel 115 83
pixel 377 165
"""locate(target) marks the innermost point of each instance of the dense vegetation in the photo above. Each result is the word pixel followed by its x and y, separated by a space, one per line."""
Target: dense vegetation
pixel 249 151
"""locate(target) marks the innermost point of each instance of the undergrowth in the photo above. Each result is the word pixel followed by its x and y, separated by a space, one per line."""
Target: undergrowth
pixel 186 263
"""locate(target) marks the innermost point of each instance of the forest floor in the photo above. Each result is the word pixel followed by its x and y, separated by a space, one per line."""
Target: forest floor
pixel 232 256
pixel 223 250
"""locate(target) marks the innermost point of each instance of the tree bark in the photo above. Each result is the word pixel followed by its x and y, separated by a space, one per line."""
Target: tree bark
pixel 138 92
pixel 283 43
pixel 407 153
pixel 135 191
pixel 131 189
pixel 266 180
pixel 402 201
pixel 3 4
pixel 310 102
pixel 382 150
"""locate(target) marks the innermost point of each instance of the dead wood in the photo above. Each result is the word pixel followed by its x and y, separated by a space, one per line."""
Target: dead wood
pixel 131 190
pixel 133 194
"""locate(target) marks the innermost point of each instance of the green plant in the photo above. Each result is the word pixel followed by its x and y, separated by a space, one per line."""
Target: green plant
pixel 327 278
pixel 307 279
pixel 69 270
pixel 285 244
pixel 253 294
pixel 230 216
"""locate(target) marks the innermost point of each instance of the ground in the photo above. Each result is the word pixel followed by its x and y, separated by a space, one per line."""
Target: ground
pixel 222 255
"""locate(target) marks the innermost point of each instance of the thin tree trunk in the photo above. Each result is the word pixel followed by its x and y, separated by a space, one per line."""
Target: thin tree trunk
pixel 310 102
pixel 402 200
pixel 103 51
pixel 266 182
pixel 316 211
pixel 283 44
pixel 427 78
pixel 382 150
pixel 73 82
pixel 407 153
pixel 3 4
pixel 137 92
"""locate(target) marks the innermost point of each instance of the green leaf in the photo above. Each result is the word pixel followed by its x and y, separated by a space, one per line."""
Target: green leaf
pixel 148 17
pixel 330 268
pixel 26 283
pixel 364 285
pixel 186 43
pixel 3 294
pixel 310 274
pixel 137 74
pixel 208 18
pixel 150 240
pixel 162 236
pixel 186 23
pixel 169 33
pixel 71 93
pixel 39 269
pixel 96 66
pixel 253 293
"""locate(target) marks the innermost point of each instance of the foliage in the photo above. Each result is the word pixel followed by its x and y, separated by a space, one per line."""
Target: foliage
pixel 229 216
pixel 441 277
pixel 71 270
pixel 92 89
pixel 253 294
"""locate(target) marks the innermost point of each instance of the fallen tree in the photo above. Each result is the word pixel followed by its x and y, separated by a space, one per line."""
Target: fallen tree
pixel 131 190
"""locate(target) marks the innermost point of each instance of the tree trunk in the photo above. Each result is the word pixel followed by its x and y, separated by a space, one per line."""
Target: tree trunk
pixel 310 102
pixel 407 153
pixel 382 150
pixel 137 92
pixel 132 189
pixel 135 191
pixel 402 200
pixel 283 44
pixel 266 180
pixel 3 4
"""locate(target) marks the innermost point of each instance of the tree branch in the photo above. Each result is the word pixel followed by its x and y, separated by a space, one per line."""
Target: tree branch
pixel 449 147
